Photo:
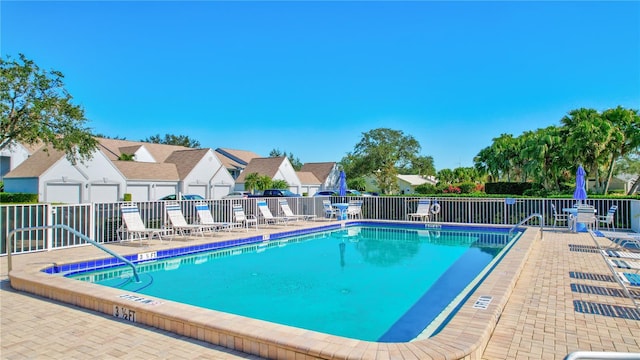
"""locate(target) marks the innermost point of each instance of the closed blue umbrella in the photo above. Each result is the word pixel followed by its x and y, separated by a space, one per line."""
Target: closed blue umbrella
pixel 342 190
pixel 581 189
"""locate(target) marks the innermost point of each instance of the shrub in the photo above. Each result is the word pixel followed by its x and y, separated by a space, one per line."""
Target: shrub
pixel 452 190
pixel 18 198
pixel 426 189
pixel 127 197
pixel 507 188
pixel 467 187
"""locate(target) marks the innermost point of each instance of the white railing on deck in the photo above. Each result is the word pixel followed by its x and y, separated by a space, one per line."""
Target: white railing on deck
pixel 102 221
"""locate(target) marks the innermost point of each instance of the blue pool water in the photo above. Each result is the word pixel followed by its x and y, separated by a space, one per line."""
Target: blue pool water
pixel 367 283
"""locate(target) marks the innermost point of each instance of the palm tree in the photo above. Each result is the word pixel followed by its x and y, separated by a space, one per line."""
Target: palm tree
pixel 543 149
pixel 625 136
pixel 587 134
pixel 251 181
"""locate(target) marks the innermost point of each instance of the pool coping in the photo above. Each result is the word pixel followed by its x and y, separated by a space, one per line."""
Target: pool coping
pixel 465 336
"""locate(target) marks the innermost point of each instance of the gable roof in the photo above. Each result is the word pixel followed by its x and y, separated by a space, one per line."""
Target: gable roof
pixel 32 148
pixel 235 159
pixel 37 163
pixel 186 160
pixel 320 170
pixel 263 166
pixel 416 180
pixel 308 178
pixel 129 150
pixel 113 148
pixel 133 170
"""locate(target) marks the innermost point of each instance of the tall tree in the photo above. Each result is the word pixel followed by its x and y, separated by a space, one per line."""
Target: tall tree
pixel 255 181
pixel 35 107
pixel 543 149
pixel 422 165
pixel 251 181
pixel 170 139
pixel 446 176
pixel 381 152
pixel 586 136
pixel 625 137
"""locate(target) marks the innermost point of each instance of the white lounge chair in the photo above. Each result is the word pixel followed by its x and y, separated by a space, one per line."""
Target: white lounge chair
pixel 135 229
pixel 423 212
pixel 622 240
pixel 629 265
pixel 286 210
pixel 205 218
pixel 179 223
pixel 268 216
pixel 243 220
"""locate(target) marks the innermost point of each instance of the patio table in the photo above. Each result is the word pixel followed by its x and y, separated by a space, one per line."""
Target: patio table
pixel 343 210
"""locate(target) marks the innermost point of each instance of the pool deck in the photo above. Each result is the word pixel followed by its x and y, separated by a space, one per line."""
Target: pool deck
pixel 539 320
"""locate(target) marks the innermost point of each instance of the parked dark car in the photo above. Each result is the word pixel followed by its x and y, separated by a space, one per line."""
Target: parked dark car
pixel 276 193
pixel 336 193
pixel 184 197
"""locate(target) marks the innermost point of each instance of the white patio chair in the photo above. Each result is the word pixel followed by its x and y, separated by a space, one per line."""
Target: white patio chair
pixel 586 215
pixel 422 212
pixel 558 217
pixel 355 209
pixel 243 220
pixel 608 218
pixel 329 210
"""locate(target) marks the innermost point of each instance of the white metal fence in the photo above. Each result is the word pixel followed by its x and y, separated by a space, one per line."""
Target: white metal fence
pixel 103 223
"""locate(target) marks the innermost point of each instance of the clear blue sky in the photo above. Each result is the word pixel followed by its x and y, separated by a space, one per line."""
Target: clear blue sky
pixel 311 77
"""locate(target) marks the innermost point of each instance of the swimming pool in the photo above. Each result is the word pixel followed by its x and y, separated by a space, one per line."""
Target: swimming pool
pixel 465 335
pixel 367 282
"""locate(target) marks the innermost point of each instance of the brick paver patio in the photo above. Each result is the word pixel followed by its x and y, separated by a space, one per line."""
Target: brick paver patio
pixel 540 320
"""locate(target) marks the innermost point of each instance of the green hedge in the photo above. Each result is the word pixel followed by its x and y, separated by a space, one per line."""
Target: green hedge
pixel 507 188
pixel 18 198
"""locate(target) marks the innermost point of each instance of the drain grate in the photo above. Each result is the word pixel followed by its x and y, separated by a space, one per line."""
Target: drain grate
pixel 616 311
pixel 583 248
pixel 591 276
pixel 483 302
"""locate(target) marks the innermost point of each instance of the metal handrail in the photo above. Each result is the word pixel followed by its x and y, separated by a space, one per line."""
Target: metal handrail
pixel 527 219
pixel 74 232
pixel 602 355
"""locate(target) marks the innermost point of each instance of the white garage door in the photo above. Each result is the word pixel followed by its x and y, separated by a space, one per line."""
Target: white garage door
pixel 220 190
pixel 164 190
pixel 104 193
pixel 138 192
pixel 198 190
pixel 63 193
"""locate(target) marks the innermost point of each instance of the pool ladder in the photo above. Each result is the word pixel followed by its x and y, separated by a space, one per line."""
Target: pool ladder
pixel 74 232
pixel 527 219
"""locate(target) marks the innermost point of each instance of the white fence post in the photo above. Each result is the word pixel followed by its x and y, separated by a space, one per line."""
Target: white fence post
pixel 50 211
pixel 635 215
